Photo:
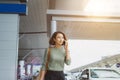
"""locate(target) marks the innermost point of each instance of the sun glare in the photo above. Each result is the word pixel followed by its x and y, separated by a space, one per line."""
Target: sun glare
pixel 101 6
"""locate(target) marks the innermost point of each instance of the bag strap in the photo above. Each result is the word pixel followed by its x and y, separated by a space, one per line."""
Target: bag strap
pixel 48 58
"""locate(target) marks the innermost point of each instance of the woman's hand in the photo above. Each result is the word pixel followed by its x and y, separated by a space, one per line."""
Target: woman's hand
pixel 66 45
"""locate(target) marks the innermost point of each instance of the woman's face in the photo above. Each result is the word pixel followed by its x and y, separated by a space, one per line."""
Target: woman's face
pixel 59 39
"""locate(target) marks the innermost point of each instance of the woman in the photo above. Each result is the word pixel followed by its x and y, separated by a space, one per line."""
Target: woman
pixel 59 54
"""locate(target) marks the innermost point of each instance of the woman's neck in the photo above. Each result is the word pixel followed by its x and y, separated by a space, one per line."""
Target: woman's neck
pixel 57 46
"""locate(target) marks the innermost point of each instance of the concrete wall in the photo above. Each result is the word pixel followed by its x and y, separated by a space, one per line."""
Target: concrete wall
pixel 9 24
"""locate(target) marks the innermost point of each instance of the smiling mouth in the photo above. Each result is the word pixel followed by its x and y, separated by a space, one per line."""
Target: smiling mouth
pixel 61 42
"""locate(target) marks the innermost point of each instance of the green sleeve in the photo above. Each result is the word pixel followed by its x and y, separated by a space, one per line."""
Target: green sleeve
pixel 67 61
pixel 45 60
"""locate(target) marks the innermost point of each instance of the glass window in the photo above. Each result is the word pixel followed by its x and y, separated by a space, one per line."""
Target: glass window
pixel 104 73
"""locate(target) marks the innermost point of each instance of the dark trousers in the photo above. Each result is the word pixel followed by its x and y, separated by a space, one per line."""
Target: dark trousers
pixel 54 75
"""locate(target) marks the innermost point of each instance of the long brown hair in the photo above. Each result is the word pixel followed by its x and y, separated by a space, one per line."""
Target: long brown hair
pixel 52 42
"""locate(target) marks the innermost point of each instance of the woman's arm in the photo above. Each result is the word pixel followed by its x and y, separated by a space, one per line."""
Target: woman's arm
pixel 41 75
pixel 67 54
pixel 43 68
pixel 67 57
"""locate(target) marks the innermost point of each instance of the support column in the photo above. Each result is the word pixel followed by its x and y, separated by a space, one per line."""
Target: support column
pixel 31 69
pixel 9 33
pixel 53 26
pixel 9 25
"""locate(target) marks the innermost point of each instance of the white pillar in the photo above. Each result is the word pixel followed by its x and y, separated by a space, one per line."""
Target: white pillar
pixel 53 26
pixel 9 29
pixel 22 69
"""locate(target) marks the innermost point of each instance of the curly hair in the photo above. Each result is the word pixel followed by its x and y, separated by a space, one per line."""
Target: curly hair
pixel 52 42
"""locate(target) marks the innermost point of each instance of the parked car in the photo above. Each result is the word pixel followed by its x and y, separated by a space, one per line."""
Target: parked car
pixel 76 75
pixel 68 76
pixel 99 74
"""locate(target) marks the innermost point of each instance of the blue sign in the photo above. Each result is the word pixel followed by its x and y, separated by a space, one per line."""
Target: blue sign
pixel 13 8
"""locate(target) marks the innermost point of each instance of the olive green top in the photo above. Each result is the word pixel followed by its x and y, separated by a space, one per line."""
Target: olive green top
pixel 56 60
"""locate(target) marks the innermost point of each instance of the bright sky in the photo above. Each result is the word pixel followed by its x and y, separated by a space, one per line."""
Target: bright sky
pixel 87 51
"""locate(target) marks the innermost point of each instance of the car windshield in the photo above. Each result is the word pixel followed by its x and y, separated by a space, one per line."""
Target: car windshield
pixel 104 73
